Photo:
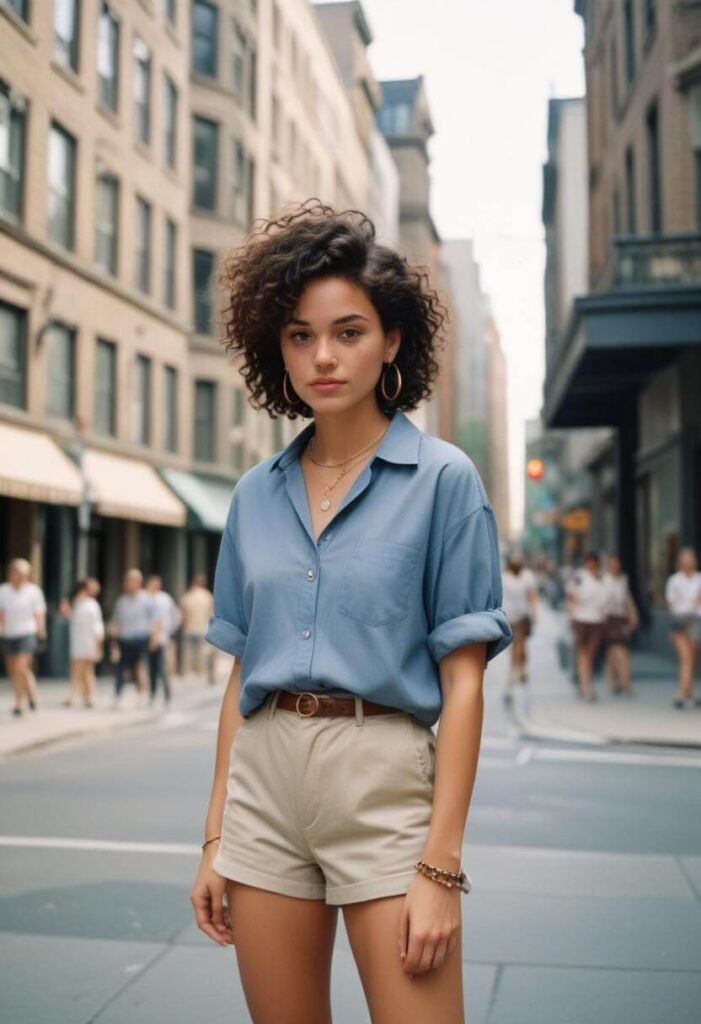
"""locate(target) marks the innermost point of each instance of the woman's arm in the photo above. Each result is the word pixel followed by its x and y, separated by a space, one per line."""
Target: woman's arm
pixel 207 893
pixel 430 919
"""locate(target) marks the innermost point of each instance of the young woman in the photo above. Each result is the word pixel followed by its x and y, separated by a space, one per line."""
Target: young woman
pixel 358 588
pixel 683 593
pixel 620 622
pixel 22 625
pixel 86 636
pixel 521 608
pixel 586 609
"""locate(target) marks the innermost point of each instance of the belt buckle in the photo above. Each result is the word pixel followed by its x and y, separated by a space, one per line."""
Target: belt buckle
pixel 307 714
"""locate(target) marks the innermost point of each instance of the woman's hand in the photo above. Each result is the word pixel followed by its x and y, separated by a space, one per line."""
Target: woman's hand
pixel 429 925
pixel 207 898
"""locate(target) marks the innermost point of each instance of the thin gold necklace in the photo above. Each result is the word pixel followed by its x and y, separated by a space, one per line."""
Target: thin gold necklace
pixel 332 465
pixel 325 503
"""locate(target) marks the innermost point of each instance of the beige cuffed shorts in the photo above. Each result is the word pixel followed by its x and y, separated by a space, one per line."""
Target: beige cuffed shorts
pixel 333 809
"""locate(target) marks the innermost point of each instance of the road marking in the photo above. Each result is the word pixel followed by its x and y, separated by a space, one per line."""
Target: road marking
pixel 618 757
pixel 103 845
pixel 525 753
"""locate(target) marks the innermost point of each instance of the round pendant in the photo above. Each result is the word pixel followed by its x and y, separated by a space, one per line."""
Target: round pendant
pixel 325 504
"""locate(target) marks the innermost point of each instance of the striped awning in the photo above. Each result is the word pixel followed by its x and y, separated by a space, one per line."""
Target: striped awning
pixel 34 468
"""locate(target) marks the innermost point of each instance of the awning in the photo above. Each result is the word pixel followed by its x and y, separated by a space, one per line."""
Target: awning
pixel 130 489
pixel 33 468
pixel 207 498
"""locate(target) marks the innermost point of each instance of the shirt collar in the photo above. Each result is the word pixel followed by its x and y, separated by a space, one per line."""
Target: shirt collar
pixel 400 443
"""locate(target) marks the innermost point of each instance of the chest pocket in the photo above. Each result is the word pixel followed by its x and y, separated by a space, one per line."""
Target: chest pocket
pixel 376 587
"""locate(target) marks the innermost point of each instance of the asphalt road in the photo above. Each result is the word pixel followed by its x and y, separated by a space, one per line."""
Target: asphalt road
pixel 586 866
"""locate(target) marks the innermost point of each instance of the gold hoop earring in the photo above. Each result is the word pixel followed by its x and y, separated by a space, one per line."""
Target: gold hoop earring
pixel 289 400
pixel 393 397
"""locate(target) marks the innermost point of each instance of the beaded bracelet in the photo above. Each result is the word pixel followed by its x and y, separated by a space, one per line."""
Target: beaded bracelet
pixel 448 878
pixel 213 839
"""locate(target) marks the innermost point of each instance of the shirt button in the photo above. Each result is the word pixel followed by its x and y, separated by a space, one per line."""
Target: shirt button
pixel 306 633
pixel 311 574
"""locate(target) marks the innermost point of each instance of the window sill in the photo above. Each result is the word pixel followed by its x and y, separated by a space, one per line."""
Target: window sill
pixel 109 115
pixel 16 22
pixel 68 75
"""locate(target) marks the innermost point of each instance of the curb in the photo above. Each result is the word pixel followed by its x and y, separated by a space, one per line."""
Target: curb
pixel 528 729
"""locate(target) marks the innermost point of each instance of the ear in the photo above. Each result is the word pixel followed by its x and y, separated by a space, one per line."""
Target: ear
pixel 393 340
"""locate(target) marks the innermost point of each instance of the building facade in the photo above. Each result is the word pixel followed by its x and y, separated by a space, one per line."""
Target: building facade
pixel 630 359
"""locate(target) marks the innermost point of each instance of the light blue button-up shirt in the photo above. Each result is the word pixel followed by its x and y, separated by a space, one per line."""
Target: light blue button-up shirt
pixel 407 570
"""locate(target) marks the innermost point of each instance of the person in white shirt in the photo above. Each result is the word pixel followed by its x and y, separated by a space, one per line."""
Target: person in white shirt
pixel 683 594
pixel 22 625
pixel 586 603
pixel 197 607
pixel 86 636
pixel 520 606
pixel 620 623
pixel 169 618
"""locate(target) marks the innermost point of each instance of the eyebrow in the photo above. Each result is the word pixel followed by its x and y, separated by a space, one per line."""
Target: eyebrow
pixel 341 320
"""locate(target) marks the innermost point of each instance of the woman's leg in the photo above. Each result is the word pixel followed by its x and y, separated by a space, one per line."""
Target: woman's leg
pixel 437 995
pixel 13 676
pixel 26 683
pixel 89 684
pixel 584 669
pixel 684 649
pixel 283 948
pixel 610 667
pixel 623 660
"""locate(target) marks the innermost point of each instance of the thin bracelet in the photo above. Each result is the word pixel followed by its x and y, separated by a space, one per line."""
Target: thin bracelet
pixel 212 840
pixel 451 879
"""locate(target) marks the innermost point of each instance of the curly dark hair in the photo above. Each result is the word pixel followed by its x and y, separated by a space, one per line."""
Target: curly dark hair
pixel 264 279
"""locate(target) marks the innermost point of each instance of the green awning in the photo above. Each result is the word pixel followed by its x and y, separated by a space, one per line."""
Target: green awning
pixel 207 498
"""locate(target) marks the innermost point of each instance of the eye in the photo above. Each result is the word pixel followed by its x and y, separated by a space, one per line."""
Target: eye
pixel 350 332
pixel 299 336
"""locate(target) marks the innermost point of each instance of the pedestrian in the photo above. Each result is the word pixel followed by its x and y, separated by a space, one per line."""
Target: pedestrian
pixel 683 594
pixel 358 587
pixel 22 626
pixel 86 631
pixel 134 627
pixel 620 622
pixel 521 608
pixel 197 607
pixel 168 616
pixel 586 599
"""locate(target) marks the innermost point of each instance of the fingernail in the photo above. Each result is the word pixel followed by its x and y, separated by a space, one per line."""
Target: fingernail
pixel 402 954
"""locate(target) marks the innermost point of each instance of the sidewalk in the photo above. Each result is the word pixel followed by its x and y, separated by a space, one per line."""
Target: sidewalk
pixel 52 723
pixel 553 711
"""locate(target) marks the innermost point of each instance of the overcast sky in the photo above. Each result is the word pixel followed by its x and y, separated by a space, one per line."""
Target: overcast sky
pixel 490 67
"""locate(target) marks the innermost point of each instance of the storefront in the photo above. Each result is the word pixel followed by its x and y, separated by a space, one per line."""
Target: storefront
pixel 207 499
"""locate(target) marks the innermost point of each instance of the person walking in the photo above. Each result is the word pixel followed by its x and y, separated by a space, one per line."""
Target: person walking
pixel 521 608
pixel 197 607
pixel 620 622
pixel 358 588
pixel 86 631
pixel 22 626
pixel 586 603
pixel 135 629
pixel 683 594
pixel 168 615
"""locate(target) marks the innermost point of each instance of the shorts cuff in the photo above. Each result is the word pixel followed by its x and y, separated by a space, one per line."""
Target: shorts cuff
pixel 373 889
pixel 273 883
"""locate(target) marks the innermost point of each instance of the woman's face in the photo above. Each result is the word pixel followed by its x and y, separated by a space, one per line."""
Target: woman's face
pixel 335 331
pixel 687 561
pixel 614 565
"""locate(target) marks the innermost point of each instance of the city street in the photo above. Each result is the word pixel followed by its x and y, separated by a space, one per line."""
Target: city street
pixel 586 866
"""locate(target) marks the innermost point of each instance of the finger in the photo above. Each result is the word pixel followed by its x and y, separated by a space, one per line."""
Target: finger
pixel 413 954
pixel 403 932
pixel 427 956
pixel 452 944
pixel 441 954
pixel 201 904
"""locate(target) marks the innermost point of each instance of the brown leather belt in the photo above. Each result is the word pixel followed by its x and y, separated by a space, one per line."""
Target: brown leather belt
pixel 308 705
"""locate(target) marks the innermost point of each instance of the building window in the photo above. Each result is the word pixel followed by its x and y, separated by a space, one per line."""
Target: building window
pixel 206 148
pixel 395 119
pixel 617 225
pixel 105 395
pixel 276 127
pixel 204 38
pixel 650 9
pixel 13 332
pixel 238 59
pixel 629 28
pixel 252 84
pixel 142 262
pixel 653 169
pixel 242 191
pixel 205 412
pixel 170 120
pixel 613 82
pixel 62 148
pixel 66 28
pixel 170 263
pixel 695 112
pixel 203 267
pixel 631 206
pixel 12 147
pixel 141 400
pixel 170 408
pixel 60 366
pixel 21 8
pixel 170 9
pixel 106 222
pixel 142 90
pixel 108 58
pixel 237 430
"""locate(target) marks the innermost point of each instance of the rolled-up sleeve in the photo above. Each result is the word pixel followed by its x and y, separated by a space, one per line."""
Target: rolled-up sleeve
pixel 465 589
pixel 227 628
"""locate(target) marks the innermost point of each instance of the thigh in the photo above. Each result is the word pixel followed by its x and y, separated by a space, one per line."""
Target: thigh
pixel 437 995
pixel 283 947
